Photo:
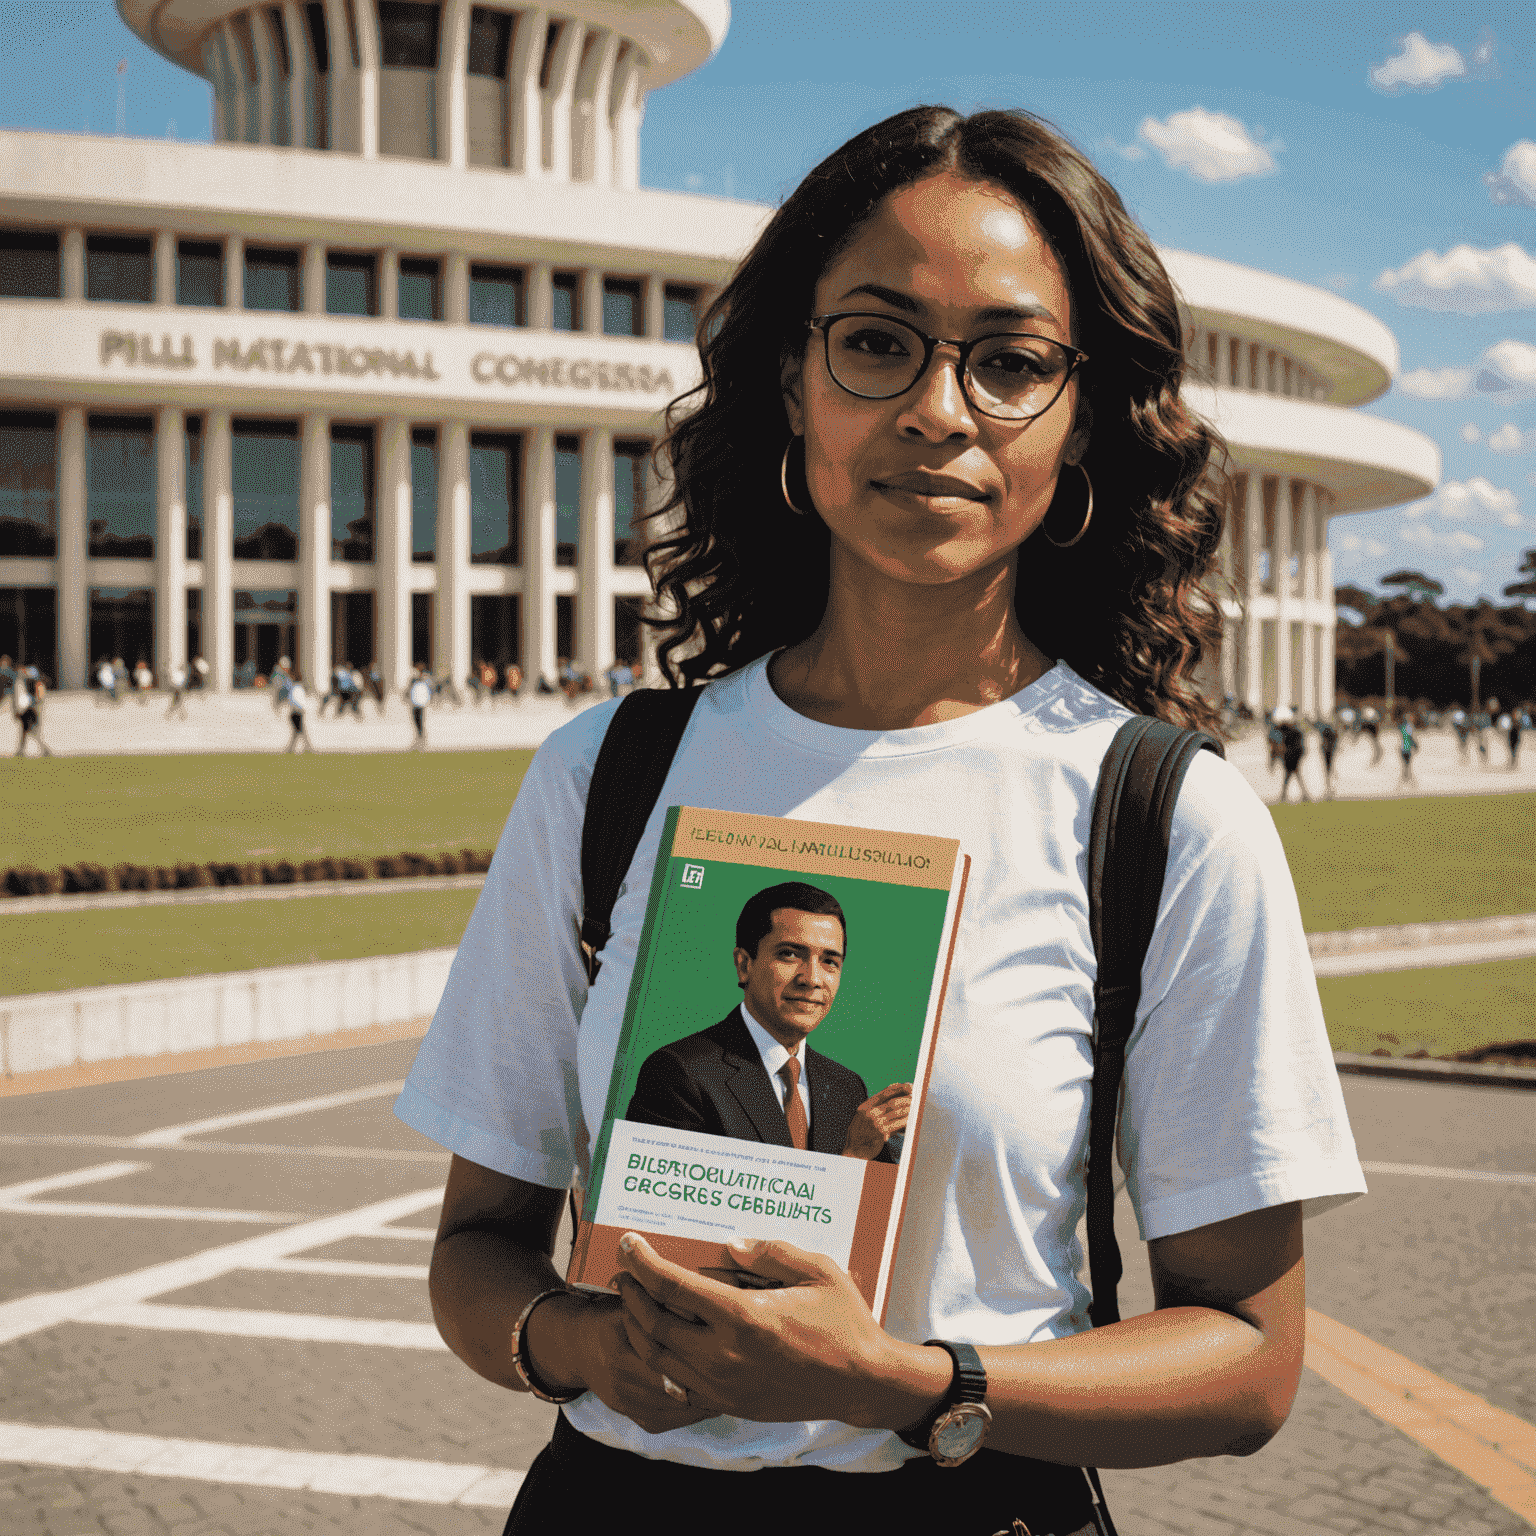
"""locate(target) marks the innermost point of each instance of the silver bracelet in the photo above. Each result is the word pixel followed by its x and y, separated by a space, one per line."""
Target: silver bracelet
pixel 524 1371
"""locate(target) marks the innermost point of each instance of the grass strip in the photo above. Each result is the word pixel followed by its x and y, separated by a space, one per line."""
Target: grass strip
pixel 57 951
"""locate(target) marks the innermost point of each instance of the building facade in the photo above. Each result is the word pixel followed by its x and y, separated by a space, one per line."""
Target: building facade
pixel 376 376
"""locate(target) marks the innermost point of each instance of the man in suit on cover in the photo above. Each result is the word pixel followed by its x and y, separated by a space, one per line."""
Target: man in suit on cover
pixel 753 1075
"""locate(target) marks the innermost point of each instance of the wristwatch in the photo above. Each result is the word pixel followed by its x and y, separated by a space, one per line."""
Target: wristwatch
pixel 957 1427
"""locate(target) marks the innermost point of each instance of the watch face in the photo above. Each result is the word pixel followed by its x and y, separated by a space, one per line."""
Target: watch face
pixel 959 1433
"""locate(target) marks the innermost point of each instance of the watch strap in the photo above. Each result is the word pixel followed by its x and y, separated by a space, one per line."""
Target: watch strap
pixel 967 1385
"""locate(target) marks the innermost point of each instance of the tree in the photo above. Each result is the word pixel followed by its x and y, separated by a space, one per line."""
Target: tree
pixel 1416 583
pixel 1526 588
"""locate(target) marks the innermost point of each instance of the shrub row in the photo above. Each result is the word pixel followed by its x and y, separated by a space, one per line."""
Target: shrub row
pixel 72 879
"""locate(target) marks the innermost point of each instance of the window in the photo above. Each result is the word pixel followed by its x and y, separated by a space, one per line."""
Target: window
pixel 351 629
pixel 680 312
pixel 630 464
pixel 423 495
pixel 29 628
pixel 421 629
pixel 621 307
pixel 271 279
pixel 265 632
pixel 194 627
pixel 264 471
pixel 495 633
pixel 28 481
pixel 280 34
pixel 29 265
pixel 119 269
pixel 496 296
pixel 319 41
pixel 407 35
pixel 349 285
pixel 567 311
pixel 627 629
pixel 490 37
pixel 420 289
pixel 352 494
pixel 200 273
pixel 565 627
pixel 567 499
pixel 120 487
pixel 194 484
pixel 122 621
pixel 495 480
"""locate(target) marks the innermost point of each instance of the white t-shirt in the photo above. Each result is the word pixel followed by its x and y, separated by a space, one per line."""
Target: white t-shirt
pixel 1231 1104
pixel 421 693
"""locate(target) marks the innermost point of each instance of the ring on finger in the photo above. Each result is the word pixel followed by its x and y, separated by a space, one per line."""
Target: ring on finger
pixel 672 1389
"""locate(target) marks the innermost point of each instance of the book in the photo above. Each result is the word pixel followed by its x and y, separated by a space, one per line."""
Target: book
pixel 856 932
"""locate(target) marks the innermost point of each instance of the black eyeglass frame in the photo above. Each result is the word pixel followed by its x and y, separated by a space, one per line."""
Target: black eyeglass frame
pixel 823 323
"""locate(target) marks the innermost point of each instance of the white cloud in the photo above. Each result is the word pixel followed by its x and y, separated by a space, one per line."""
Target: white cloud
pixel 1466 576
pixel 1515 179
pixel 1375 549
pixel 1425 537
pixel 1209 145
pixel 1437 383
pixel 1459 500
pixel 1465 281
pixel 1508 368
pixel 1459 538
pixel 1346 541
pixel 1470 434
pixel 1510 439
pixel 1421 66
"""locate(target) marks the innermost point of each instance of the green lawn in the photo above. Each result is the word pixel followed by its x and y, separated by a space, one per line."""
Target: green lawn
pixel 192 809
pixel 54 952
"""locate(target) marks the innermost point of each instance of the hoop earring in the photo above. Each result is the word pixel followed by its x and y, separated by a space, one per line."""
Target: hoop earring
pixel 1087 518
pixel 789 500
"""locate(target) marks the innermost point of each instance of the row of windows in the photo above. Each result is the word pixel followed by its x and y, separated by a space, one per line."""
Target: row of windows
pixel 120 491
pixel 119 269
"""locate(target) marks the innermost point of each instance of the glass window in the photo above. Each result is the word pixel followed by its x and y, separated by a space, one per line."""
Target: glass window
pixel 496 296
pixel 29 265
pixel 490 35
pixel 264 470
pixel 29 628
pixel 627 629
pixel 621 307
pixel 495 632
pixel 495 480
pixel 194 484
pixel 407 34
pixel 680 312
pixel 28 480
pixel 120 487
pixel 631 461
pixel 421 629
pixel 567 311
pixel 319 40
pixel 567 498
pixel 352 493
pixel 200 273
pixel 349 287
pixel 351 631
pixel 419 289
pixel 271 279
pixel 122 621
pixel 194 631
pixel 119 269
pixel 265 632
pixel 423 495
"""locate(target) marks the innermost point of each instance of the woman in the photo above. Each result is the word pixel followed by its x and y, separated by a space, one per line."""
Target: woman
pixel 885 526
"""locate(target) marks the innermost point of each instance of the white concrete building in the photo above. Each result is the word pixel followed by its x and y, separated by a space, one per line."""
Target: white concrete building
pixel 375 376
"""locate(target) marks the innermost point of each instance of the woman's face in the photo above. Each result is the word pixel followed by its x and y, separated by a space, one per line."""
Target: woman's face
pixel 923 488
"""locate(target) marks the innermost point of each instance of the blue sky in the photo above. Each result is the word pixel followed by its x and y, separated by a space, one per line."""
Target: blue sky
pixel 1308 139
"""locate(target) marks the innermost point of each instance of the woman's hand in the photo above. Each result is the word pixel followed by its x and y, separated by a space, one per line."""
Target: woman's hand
pixel 809 1349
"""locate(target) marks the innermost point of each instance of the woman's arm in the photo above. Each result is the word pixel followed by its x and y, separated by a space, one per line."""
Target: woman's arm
pixel 491 1258
pixel 1211 1372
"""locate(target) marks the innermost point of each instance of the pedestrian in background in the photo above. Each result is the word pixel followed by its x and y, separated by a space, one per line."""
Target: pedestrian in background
pixel 514 677
pixel 1293 746
pixel 7 677
pixel 298 703
pixel 1408 744
pixel 1520 724
pixel 178 682
pixel 1482 722
pixel 143 680
pixel 1462 726
pixel 284 675
pixel 26 701
pixel 1370 725
pixel 1328 738
pixel 419 695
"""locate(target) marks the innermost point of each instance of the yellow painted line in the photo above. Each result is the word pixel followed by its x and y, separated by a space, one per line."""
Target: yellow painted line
pixel 1495 1449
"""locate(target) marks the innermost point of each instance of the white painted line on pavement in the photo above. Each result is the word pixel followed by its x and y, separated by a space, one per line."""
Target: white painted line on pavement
pixel 304 1327
pixel 1370 962
pixel 169 1135
pixel 358 1269
pixel 1474 1175
pixel 419 1482
pixel 263 1148
pixel 98 1174
pixel 152 1212
pixel 415 1234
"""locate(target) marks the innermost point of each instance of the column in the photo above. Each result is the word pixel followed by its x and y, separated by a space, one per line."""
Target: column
pixel 301 79
pixel 1325 695
pixel 625 110
pixel 165 267
pixel 541 297
pixel 242 93
pixel 1325 665
pixel 393 589
pixel 1223 360
pixel 218 554
pixel 453 84
pixel 590 301
pixel 456 289
pixel 234 279
pixel 523 104
pixel 1309 601
pixel 368 79
pixel 591 132
pixel 1253 628
pixel 345 85
pixel 594 553
pixel 539 557
pixel 69 563
pixel 450 638
pixel 558 99
pixel 312 284
pixel 170 540
pixel 389 284
pixel 653 294
pixel 72 265
pixel 314 656
pixel 268 75
pixel 1280 564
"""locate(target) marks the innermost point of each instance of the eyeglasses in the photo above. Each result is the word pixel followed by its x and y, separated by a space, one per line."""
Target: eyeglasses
pixel 1012 376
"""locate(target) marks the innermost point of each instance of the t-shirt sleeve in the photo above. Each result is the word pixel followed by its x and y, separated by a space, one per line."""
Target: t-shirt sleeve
pixel 495 1078
pixel 1232 1101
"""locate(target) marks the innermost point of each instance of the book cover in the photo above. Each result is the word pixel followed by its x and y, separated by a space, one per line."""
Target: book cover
pixel 697 1145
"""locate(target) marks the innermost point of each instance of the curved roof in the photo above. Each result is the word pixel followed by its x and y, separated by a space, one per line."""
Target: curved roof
pixel 1347 345
pixel 676 36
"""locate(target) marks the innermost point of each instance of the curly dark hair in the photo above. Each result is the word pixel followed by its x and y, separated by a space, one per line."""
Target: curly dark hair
pixel 1131 607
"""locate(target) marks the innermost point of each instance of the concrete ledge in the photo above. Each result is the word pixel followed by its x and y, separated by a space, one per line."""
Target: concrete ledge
pixel 1428 1070
pixel 50 1030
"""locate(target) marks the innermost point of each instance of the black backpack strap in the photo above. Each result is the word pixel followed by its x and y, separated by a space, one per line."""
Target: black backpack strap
pixel 1127 858
pixel 637 750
